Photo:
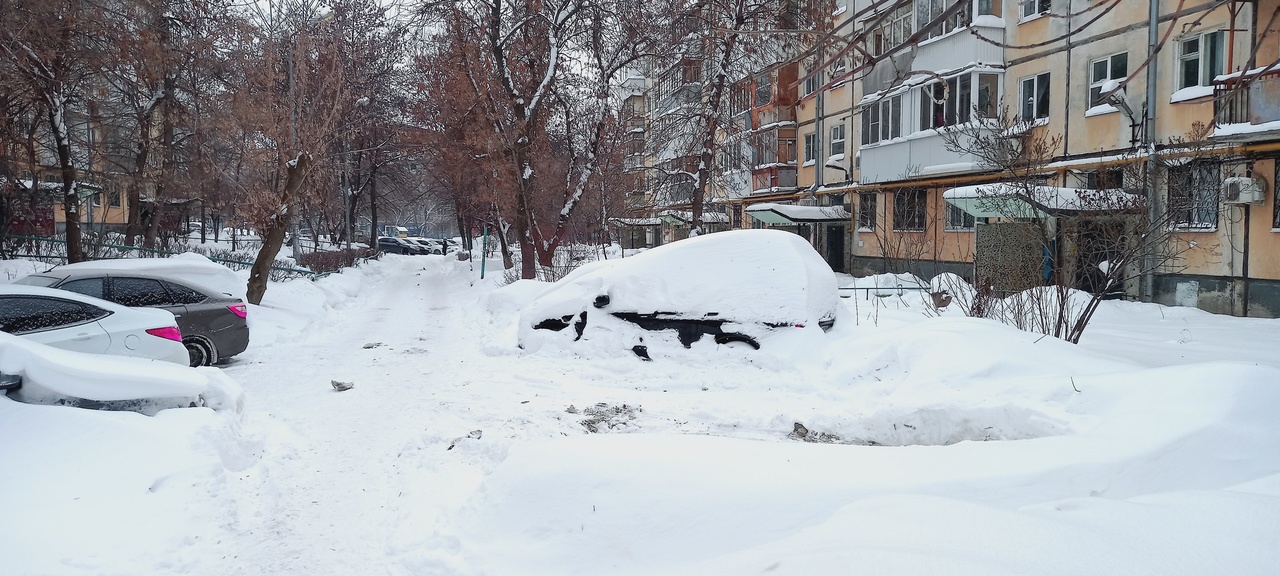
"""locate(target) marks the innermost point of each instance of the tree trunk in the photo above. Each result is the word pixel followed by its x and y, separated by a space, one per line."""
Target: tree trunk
pixel 373 207
pixel 278 225
pixel 70 196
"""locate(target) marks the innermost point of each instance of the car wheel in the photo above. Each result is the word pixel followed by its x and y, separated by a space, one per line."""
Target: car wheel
pixel 200 352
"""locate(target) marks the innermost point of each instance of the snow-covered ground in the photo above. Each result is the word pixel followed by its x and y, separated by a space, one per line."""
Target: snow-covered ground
pixel 937 445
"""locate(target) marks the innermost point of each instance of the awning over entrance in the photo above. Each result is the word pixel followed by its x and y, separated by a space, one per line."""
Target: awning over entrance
pixel 1004 200
pixel 790 214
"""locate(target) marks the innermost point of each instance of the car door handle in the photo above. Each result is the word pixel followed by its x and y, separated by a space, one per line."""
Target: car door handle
pixel 83 336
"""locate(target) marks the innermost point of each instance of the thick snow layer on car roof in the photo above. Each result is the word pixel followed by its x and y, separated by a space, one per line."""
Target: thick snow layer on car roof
pixel 189 267
pixel 741 275
pixel 48 371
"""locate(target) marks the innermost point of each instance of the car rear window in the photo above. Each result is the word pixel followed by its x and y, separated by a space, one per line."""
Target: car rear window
pixel 38 280
pixel 22 314
pixel 182 294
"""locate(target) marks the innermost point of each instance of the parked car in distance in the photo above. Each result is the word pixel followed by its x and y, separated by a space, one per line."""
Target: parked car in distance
pixel 430 245
pixel 393 245
pixel 214 325
pixel 73 321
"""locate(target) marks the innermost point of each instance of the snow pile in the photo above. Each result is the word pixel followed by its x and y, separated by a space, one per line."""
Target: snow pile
pixel 187 266
pixel 904 443
pixel 51 374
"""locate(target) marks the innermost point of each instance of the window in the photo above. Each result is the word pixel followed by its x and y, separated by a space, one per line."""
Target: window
pixel 810 147
pixel 86 286
pixel 988 95
pixel 929 10
pixel 1033 95
pixel 989 7
pixel 892 31
pixel 945 103
pixel 1193 194
pixel 182 294
pixel 1032 8
pixel 867 211
pixel 764 89
pixel 814 81
pixel 1105 179
pixel 909 210
pixel 882 120
pixel 139 292
pixel 1200 59
pixel 1111 68
pixel 838 69
pixel 837 139
pixel 958 219
pixel 113 197
pixel 23 314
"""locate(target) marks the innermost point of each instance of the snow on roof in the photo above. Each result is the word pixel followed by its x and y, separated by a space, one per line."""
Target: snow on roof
pixel 1244 128
pixel 637 221
pixel 801 213
pixel 991 200
pixel 687 216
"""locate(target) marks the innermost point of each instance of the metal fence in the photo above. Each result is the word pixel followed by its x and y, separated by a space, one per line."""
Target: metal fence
pixel 54 251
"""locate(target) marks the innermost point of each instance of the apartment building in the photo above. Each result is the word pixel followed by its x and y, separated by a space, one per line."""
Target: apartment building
pixel 1074 73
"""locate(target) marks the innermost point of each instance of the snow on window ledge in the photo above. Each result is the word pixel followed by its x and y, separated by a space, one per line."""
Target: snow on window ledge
pixel 1191 93
pixel 1032 18
pixel 1100 109
pixel 808 163
pixel 1191 227
pixel 839 10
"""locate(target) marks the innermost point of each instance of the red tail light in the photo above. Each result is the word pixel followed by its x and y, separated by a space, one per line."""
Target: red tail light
pixel 168 333
pixel 239 310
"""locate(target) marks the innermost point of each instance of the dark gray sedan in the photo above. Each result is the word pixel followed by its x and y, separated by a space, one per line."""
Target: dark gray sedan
pixel 214 325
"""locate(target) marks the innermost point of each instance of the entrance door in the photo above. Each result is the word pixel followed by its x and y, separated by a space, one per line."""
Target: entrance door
pixel 835 247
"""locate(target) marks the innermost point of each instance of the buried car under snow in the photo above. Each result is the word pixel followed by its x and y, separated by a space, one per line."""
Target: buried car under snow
pixel 733 287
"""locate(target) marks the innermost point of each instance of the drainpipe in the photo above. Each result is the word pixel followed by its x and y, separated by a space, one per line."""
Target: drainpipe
pixel 1148 274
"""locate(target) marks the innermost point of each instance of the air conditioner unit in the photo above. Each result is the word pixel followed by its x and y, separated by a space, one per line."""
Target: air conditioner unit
pixel 1243 190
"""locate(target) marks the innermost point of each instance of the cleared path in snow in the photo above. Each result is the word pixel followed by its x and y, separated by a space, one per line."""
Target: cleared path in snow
pixel 323 499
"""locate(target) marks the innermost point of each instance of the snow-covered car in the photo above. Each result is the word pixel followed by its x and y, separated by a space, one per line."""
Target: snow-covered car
pixel 214 325
pixel 82 323
pixel 736 287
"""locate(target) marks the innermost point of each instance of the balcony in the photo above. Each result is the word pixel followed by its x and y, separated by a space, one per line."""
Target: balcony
pixel 1246 105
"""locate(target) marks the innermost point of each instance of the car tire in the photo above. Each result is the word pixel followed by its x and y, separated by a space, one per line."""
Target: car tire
pixel 200 351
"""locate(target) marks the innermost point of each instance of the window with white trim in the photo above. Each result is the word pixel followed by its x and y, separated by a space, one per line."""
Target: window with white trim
pixel 946 103
pixel 892 32
pixel 1193 194
pixel 1032 8
pixel 810 147
pixel 1200 59
pixel 1114 67
pixel 814 80
pixel 838 68
pixel 929 10
pixel 958 219
pixel 882 120
pixel 1033 97
pixel 837 139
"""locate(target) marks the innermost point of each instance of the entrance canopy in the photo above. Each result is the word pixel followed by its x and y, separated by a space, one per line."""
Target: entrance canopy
pixel 790 214
pixel 1005 200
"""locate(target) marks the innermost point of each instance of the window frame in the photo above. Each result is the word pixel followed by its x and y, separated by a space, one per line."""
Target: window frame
pixel 867 208
pixel 1031 9
pixel 1196 207
pixel 831 145
pixel 888 124
pixel 1035 97
pixel 967 222
pixel 1204 76
pixel 957 106
pixel 1095 85
pixel 910 210
pixel 811 147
